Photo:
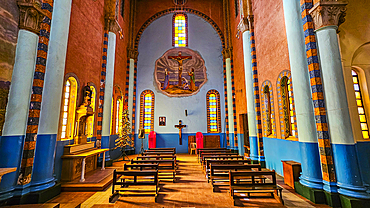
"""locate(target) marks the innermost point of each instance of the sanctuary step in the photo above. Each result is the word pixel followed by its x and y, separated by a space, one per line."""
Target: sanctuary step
pixel 45 205
pixel 97 180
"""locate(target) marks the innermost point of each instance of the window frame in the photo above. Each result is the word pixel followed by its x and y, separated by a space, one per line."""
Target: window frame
pixel 218 111
pixel 142 110
pixel 174 29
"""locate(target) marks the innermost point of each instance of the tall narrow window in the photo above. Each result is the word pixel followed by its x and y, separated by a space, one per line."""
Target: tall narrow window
pixel 118 115
pixel 213 112
pixel 90 120
pixel 180 30
pixel 268 114
pixel 267 103
pixel 236 7
pixel 288 107
pixel 360 105
pixel 291 108
pixel 147 111
pixel 69 108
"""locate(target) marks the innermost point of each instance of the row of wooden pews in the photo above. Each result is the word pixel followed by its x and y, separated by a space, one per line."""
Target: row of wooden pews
pixel 142 176
pixel 226 169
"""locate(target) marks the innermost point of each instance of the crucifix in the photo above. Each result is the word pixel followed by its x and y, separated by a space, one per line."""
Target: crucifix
pixel 180 59
pixel 180 126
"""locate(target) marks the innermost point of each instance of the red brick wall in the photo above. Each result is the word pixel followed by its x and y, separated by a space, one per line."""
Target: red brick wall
pixel 85 45
pixel 271 45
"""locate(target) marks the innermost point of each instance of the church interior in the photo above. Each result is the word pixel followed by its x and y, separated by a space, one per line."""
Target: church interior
pixel 197 103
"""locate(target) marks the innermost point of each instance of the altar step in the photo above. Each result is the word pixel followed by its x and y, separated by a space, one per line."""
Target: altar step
pixel 45 205
pixel 97 180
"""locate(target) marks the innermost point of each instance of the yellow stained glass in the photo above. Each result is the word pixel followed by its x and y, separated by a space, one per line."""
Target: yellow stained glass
pixel 364 126
pixel 362 118
pixel 355 80
pixel 365 134
pixel 359 103
pixel 179 30
pixel 358 95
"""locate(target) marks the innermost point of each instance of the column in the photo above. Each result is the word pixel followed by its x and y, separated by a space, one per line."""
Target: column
pixel 230 102
pixel 108 93
pixel 327 15
pixel 12 141
pixel 42 176
pixel 310 159
pixel 249 90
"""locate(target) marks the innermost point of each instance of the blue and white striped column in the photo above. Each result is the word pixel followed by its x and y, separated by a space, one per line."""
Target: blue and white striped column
pixel 349 179
pixel 251 108
pixel 230 102
pixel 42 176
pixel 14 130
pixel 108 94
pixel 310 158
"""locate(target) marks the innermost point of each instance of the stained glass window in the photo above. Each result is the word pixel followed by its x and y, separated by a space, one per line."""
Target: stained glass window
pixel 69 108
pixel 360 105
pixel 180 30
pixel 291 107
pixel 147 111
pixel 213 112
pixel 268 110
pixel 90 120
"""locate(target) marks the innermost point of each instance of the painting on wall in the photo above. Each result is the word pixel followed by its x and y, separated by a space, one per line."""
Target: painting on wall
pixel 9 18
pixel 180 72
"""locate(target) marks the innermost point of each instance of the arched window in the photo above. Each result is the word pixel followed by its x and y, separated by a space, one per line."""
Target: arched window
pixel 213 112
pixel 286 106
pixel 180 30
pixel 268 114
pixel 360 105
pixel 69 109
pixel 116 111
pixel 147 111
pixel 91 119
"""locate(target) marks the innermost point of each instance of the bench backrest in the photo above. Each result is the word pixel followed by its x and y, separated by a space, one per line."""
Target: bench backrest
pixel 157 153
pixel 218 154
pixel 166 150
pixel 160 163
pixel 140 166
pixel 205 149
pixel 223 170
pixel 236 177
pixel 155 157
pixel 169 149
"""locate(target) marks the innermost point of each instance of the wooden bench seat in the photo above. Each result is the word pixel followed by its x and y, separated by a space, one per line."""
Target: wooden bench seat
pixel 173 149
pixel 140 166
pixel 134 183
pixel 211 151
pixel 219 174
pixel 203 154
pixel 161 150
pixel 157 153
pixel 250 182
pixel 166 168
pixel 203 149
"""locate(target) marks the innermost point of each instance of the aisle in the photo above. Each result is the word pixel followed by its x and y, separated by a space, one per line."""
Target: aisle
pixel 190 190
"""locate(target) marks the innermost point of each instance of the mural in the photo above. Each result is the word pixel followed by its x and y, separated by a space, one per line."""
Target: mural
pixel 8 42
pixel 180 72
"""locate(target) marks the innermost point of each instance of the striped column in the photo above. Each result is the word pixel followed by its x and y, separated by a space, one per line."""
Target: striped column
pixel 108 93
pixel 226 106
pixel 235 126
pixel 306 126
pixel 251 107
pixel 230 103
pixel 134 98
pixel 348 175
pixel 102 86
pixel 261 155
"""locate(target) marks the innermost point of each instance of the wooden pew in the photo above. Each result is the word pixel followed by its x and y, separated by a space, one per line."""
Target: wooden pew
pixel 204 154
pixel 160 157
pixel 162 149
pixel 211 151
pixel 220 157
pixel 166 168
pixel 219 174
pixel 134 183
pixel 224 162
pixel 201 149
pixel 157 153
pixel 250 182
pixel 140 166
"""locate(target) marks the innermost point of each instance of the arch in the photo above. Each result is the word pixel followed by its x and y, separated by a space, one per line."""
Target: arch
pixel 91 119
pixel 268 112
pixel 213 112
pixel 147 111
pixel 68 110
pixel 174 10
pixel 288 120
pixel 116 110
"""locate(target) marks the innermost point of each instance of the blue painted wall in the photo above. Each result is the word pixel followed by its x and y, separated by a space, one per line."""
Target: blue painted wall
pixel 363 155
pixel 154 42
pixel 277 150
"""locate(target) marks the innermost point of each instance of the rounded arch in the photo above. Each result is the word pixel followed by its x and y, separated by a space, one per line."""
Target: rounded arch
pixel 269 125
pixel 173 10
pixel 285 120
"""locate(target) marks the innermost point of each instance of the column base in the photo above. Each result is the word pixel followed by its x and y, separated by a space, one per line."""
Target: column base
pixel 317 196
pixel 350 202
pixel 35 197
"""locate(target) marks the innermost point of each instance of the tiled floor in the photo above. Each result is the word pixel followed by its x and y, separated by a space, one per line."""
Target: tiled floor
pixel 190 190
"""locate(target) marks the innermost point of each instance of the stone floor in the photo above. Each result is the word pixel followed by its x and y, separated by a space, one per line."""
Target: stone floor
pixel 190 190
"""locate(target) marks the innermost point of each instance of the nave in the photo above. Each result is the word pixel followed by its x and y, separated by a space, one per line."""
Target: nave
pixel 189 190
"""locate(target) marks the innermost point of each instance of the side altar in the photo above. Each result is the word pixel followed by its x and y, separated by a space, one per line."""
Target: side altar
pixel 81 157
